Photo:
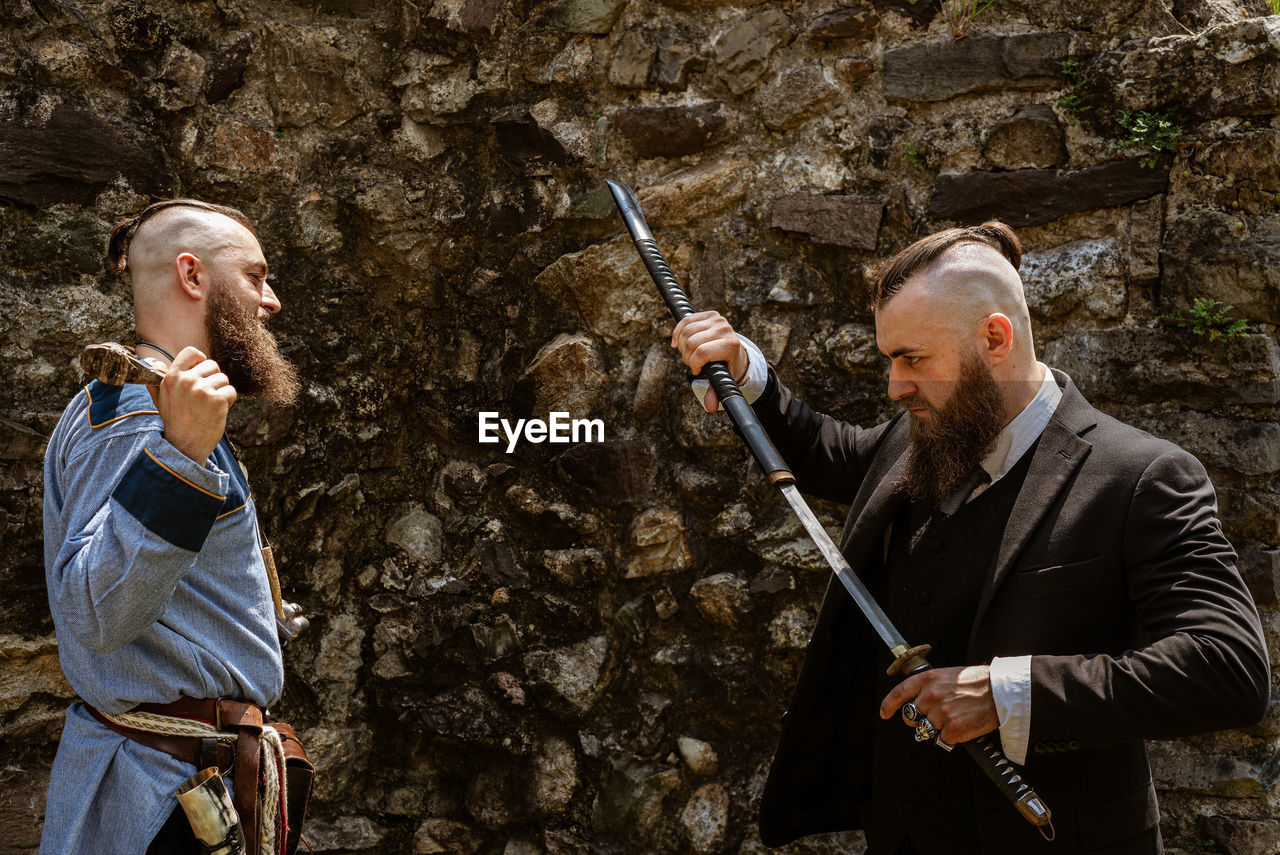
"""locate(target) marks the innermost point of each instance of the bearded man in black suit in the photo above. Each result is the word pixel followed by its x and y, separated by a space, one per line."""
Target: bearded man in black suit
pixel 1069 571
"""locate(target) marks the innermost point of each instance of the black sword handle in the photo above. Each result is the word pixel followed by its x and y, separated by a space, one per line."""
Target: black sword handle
pixel 984 751
pixel 999 769
pixel 716 373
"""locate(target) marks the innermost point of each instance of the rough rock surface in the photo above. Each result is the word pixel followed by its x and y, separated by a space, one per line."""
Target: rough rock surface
pixel 71 155
pixel 586 648
pixel 799 94
pixel 742 52
pixel 852 22
pixel 671 131
pixel 705 818
pixel 1033 197
pixel 1030 138
pixel 836 220
pixel 942 70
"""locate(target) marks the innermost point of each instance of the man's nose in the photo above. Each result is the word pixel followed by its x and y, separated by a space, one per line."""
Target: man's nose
pixel 899 386
pixel 270 302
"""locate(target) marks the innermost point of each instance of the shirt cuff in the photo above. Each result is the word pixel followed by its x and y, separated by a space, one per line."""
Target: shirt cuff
pixel 752 385
pixel 174 497
pixel 1011 690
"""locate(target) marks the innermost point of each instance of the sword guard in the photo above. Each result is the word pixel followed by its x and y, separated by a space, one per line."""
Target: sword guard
pixel 910 660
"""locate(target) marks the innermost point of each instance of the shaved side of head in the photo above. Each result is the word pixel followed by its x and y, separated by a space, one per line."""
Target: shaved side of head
pixel 170 233
pixel 969 273
pixel 147 245
pixel 979 281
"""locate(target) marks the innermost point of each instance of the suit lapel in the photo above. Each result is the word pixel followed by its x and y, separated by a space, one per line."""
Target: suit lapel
pixel 1057 456
pixel 1059 453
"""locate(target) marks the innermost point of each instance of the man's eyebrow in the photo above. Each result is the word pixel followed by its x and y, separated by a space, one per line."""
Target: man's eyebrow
pixel 903 351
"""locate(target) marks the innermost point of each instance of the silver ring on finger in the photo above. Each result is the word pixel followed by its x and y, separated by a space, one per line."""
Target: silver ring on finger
pixel 945 746
pixel 925 731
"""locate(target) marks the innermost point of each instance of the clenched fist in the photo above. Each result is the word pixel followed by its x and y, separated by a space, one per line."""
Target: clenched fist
pixel 707 337
pixel 957 701
pixel 194 399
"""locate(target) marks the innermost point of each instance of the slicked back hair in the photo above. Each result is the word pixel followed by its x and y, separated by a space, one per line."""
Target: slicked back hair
pixel 927 250
pixel 125 230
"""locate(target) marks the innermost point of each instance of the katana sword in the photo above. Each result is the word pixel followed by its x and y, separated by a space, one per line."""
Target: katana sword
pixel 907 659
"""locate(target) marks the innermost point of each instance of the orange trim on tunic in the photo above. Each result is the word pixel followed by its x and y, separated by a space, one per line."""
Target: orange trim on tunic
pixel 89 411
pixel 229 513
pixel 159 463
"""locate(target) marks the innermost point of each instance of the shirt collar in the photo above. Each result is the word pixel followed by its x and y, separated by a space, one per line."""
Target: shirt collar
pixel 1026 427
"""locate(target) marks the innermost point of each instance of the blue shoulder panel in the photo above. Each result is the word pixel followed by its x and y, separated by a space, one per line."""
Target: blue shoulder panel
pixel 109 403
pixel 166 503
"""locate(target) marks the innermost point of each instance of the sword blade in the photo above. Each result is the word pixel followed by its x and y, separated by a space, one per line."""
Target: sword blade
pixel 870 608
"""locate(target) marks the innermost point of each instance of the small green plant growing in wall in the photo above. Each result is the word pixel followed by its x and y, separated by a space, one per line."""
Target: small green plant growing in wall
pixel 1209 317
pixel 913 157
pixel 1275 6
pixel 959 14
pixel 1154 132
pixel 1072 103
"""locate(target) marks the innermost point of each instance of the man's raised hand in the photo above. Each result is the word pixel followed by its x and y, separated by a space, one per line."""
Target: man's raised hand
pixel 707 337
pixel 194 399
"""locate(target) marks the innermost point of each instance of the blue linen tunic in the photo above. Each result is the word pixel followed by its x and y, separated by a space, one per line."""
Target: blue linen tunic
pixel 158 591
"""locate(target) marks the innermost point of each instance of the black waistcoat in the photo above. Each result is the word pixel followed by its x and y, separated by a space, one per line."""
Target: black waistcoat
pixel 932 579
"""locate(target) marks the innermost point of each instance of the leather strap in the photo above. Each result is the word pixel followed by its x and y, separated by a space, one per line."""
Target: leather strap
pixel 222 713
pixel 239 717
pixel 186 749
pixel 245 793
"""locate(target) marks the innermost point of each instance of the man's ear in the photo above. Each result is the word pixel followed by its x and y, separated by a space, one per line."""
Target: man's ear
pixel 189 280
pixel 996 334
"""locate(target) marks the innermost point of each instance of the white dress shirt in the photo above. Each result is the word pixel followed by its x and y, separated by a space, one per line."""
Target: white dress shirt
pixel 1010 675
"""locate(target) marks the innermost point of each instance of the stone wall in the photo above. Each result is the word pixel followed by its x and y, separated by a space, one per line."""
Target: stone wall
pixel 587 650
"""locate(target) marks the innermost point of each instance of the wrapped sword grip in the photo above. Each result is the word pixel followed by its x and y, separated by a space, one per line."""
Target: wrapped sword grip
pixel 990 759
pixel 996 766
pixel 716 373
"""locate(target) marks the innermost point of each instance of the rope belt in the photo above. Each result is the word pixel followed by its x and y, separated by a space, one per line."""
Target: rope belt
pixel 257 746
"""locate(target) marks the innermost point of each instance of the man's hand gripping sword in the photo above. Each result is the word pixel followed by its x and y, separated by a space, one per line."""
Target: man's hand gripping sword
pixel 907 659
pixel 116 365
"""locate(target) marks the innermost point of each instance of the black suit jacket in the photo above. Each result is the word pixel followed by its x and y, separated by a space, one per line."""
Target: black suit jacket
pixel 1113 572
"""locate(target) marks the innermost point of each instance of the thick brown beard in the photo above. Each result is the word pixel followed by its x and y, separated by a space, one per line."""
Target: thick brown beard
pixel 247 352
pixel 947 449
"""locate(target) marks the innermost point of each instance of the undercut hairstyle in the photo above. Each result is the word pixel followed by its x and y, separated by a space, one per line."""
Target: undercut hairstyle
pixel 125 230
pixel 927 250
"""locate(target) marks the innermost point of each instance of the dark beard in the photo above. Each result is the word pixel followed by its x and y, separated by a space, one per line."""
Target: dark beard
pixel 948 449
pixel 246 352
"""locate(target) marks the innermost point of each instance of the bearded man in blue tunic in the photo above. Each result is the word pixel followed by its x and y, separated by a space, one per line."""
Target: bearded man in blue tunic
pixel 157 583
